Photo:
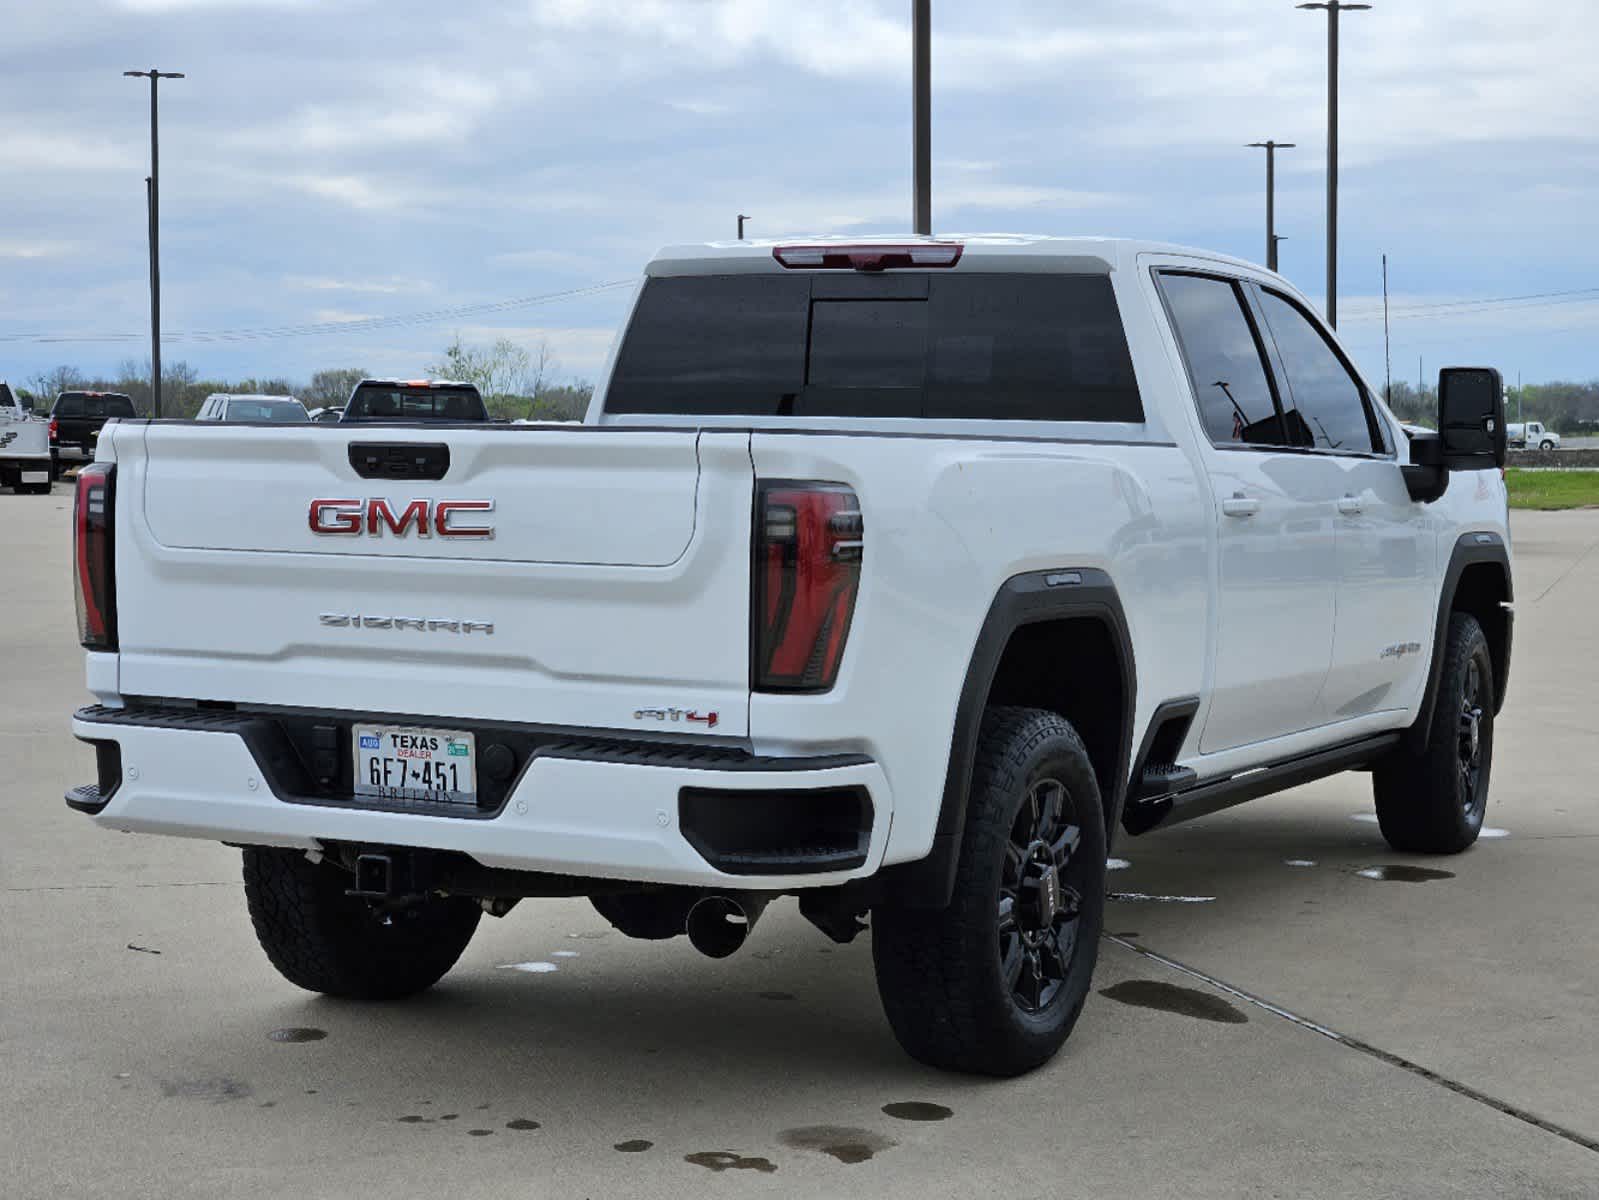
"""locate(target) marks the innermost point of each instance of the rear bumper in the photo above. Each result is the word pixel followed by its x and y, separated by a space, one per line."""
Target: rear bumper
pixel 610 810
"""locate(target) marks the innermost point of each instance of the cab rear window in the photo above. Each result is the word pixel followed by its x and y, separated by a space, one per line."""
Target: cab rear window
pixel 979 347
pixel 382 403
pixel 85 404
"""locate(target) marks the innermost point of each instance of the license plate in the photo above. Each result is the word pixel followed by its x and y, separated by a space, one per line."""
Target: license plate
pixel 35 476
pixel 396 762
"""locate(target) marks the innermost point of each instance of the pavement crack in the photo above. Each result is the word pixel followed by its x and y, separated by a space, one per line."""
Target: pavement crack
pixel 1561 578
pixel 1384 1056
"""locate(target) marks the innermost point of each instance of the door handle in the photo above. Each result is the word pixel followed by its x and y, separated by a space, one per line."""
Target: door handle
pixel 1240 505
pixel 1350 506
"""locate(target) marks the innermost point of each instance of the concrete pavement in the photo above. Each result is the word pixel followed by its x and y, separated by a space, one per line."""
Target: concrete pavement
pixel 137 1013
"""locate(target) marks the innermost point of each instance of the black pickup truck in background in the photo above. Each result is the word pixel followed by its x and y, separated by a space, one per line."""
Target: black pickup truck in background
pixel 75 423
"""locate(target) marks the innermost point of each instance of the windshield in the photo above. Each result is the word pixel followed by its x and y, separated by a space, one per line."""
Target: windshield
pixel 398 402
pixel 278 411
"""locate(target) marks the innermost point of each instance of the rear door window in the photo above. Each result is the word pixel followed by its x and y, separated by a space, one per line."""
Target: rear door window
pixel 1225 359
pixel 975 347
pixel 1325 404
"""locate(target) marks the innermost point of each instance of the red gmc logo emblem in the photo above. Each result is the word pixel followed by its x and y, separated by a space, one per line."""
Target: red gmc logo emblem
pixel 373 517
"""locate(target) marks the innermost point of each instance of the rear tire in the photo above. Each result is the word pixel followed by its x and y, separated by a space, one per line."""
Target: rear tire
pixel 1434 802
pixel 324 941
pixel 994 983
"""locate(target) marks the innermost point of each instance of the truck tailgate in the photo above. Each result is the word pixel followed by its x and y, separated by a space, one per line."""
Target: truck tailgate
pixel 613 586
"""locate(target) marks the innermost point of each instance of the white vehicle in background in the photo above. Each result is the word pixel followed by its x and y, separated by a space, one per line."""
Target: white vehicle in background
pixel 24 446
pixel 1532 436
pixel 251 408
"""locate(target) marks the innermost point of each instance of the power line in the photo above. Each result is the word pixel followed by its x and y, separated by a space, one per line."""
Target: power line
pixel 1466 307
pixel 312 329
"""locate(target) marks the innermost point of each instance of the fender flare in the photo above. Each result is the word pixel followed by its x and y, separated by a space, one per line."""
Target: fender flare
pixel 1478 546
pixel 1035 596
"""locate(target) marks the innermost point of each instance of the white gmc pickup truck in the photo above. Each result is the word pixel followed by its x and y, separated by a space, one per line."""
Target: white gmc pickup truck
pixel 897 576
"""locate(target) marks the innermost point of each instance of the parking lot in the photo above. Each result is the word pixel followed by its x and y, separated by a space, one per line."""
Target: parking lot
pixel 1284 1017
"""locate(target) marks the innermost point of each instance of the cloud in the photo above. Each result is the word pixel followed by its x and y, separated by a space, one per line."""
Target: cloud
pixel 24 248
pixel 27 150
pixel 384 287
pixel 323 315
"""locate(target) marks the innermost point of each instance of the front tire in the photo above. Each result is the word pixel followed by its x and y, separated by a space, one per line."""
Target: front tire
pixel 1434 802
pixel 993 983
pixel 1546 445
pixel 324 941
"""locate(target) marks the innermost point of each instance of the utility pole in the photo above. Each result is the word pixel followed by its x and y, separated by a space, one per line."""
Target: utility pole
pixel 1387 341
pixel 1334 8
pixel 1271 148
pixel 922 113
pixel 154 189
pixel 741 219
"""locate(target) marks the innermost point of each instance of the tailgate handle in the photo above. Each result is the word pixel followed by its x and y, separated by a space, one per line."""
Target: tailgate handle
pixel 400 460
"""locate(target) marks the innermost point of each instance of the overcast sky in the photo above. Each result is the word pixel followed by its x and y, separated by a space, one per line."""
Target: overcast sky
pixel 329 161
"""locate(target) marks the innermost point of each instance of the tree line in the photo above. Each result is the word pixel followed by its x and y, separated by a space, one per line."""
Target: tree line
pixel 1562 406
pixel 516 383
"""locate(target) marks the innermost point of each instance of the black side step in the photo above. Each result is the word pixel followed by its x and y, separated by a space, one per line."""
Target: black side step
pixel 1215 795
pixel 1164 779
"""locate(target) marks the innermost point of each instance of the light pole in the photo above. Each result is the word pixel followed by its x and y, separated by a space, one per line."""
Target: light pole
pixel 1271 148
pixel 741 219
pixel 1333 7
pixel 155 78
pixel 922 113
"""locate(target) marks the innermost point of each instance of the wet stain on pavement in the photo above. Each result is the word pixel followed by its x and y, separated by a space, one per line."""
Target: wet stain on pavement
pixel 416 1119
pixel 1403 873
pixel 776 995
pixel 843 1142
pixel 918 1110
pixel 1168 997
pixel 727 1160
pixel 521 1123
pixel 448 1116
pixel 633 1146
pixel 218 1090
pixel 480 1133
pixel 142 949
pixel 297 1033
pixel 1131 933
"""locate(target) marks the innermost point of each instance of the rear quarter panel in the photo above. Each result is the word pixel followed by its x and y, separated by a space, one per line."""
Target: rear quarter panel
pixel 948 521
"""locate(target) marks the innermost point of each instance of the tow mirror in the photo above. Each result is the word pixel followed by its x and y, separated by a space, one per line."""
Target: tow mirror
pixel 1471 432
pixel 1471 418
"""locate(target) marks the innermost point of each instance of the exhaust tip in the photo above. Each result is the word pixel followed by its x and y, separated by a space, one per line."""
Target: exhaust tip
pixel 718 926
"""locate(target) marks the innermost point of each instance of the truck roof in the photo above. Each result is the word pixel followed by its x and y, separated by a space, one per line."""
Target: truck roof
pixel 982 251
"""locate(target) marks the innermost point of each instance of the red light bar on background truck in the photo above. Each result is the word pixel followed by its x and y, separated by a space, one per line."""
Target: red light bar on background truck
pixel 869 258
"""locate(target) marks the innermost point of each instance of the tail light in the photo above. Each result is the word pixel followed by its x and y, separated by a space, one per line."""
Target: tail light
pixel 869 257
pixel 55 429
pixel 808 543
pixel 93 556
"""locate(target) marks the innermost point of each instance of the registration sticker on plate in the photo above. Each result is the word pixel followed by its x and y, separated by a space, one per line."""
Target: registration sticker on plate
pixel 396 762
